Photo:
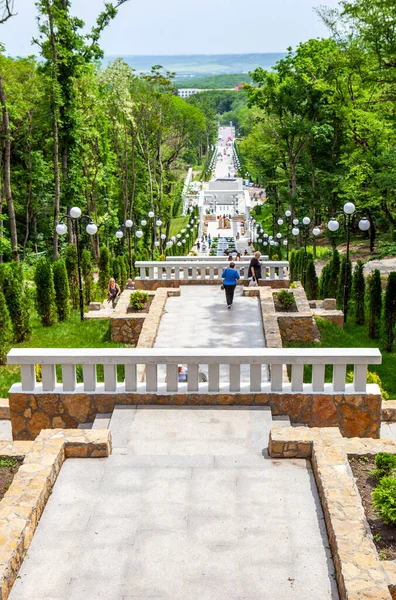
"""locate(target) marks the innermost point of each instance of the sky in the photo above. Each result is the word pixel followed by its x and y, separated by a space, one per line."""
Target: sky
pixel 182 27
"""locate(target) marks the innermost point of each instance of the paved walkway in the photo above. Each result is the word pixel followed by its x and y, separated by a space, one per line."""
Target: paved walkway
pixel 188 506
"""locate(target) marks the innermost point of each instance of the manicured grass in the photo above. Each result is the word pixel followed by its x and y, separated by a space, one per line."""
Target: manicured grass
pixel 177 225
pixel 70 334
pixel 354 336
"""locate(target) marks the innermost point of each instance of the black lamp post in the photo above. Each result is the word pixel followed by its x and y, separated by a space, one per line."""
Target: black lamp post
pixel 76 218
pixel 306 234
pixel 349 213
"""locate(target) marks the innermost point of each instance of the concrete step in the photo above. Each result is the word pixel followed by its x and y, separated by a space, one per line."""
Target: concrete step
pixel 280 421
pixel 120 425
pixel 102 421
pixel 85 426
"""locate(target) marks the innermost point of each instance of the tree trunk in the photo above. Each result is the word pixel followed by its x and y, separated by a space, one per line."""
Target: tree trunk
pixel 7 174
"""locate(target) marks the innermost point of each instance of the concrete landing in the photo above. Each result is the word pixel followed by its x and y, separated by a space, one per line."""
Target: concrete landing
pixel 187 507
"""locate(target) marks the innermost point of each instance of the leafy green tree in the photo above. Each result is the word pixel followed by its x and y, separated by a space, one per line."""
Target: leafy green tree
pixel 6 332
pixel 374 303
pixel 62 290
pixel 390 311
pixel 71 262
pixel 45 292
pixel 359 292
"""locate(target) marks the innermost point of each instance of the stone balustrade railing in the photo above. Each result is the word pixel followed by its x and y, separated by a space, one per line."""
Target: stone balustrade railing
pixel 201 258
pixel 262 370
pixel 205 270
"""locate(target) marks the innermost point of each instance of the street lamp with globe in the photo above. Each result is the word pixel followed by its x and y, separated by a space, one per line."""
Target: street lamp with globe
pixel 76 218
pixel 306 232
pixel 349 213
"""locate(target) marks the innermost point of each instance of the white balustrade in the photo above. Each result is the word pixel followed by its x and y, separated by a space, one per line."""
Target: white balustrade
pixel 202 258
pixel 205 269
pixel 228 371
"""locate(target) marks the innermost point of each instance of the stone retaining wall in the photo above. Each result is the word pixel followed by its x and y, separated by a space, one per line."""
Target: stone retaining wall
pixel 360 573
pixel 355 415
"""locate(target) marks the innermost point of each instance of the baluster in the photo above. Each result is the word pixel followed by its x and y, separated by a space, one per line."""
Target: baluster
pixel 151 272
pixel 130 378
pixel 69 378
pixel 339 375
pixel 192 378
pixel 214 378
pixel 263 272
pixel 318 377
pixel 48 376
pixel 235 378
pixel 211 273
pixel 151 378
pixel 110 378
pixel 281 273
pixel 360 378
pixel 177 273
pixel 194 272
pixel 297 378
pixel 272 273
pixel 172 378
pixel 142 272
pixel 168 273
pixel 276 378
pixel 89 375
pixel 255 378
pixel 28 378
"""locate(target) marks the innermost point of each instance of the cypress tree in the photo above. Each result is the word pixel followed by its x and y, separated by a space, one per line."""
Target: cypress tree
pixel 86 268
pixel 335 265
pixel 123 272
pixel 345 272
pixel 324 281
pixel 104 269
pixel 390 312
pixel 292 266
pixel 311 280
pixel 358 289
pixel 72 273
pixel 6 332
pixel 374 303
pixel 17 299
pixel 62 290
pixel 45 292
pixel 115 269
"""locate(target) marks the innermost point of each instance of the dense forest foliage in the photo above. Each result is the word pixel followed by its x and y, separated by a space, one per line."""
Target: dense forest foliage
pixel 109 141
pixel 213 82
pixel 323 127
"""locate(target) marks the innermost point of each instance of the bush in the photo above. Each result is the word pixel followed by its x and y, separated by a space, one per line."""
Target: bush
pixel 292 265
pixel 72 273
pixel 62 290
pixel 104 269
pixel 345 273
pixel 285 299
pixel 372 377
pixel 6 332
pixel 374 303
pixel 384 499
pixel 311 285
pixel 138 299
pixel 325 282
pixel 86 269
pixel 45 292
pixel 122 272
pixel 390 311
pixel 335 264
pixel 358 291
pixel 17 299
pixel 385 464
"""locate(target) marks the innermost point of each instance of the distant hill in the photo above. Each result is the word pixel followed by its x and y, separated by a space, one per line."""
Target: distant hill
pixel 197 65
pixel 212 82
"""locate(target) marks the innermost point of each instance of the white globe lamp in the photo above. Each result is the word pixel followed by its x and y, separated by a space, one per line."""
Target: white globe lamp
pixel 139 234
pixel 364 224
pixel 295 231
pixel 61 229
pixel 91 229
pixel 151 214
pixel 75 212
pixel 287 213
pixel 316 231
pixel 306 220
pixel 143 222
pixel 333 225
pixel 349 208
pixel 128 223
pixel 119 234
pixel 280 221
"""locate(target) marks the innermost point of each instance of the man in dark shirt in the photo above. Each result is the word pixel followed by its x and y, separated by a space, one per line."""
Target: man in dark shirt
pixel 255 267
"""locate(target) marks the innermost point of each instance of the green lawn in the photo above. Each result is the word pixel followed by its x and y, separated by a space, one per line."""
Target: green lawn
pixel 354 336
pixel 70 334
pixel 177 225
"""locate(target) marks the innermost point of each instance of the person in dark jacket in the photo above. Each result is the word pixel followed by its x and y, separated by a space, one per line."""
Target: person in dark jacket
pixel 255 267
pixel 230 277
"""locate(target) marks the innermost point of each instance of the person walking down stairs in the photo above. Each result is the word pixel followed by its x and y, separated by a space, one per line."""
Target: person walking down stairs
pixel 230 277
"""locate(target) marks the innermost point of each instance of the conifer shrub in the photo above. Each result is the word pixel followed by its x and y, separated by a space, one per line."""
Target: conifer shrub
pixel 62 290
pixel 104 269
pixel 86 269
pixel 335 265
pixel 72 273
pixel 123 272
pixel 384 499
pixel 311 285
pixel 6 331
pixel 115 269
pixel 345 273
pixel 17 299
pixel 45 292
pixel 390 312
pixel 358 292
pixel 374 304
pixel 292 265
pixel 324 282
pixel 385 463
